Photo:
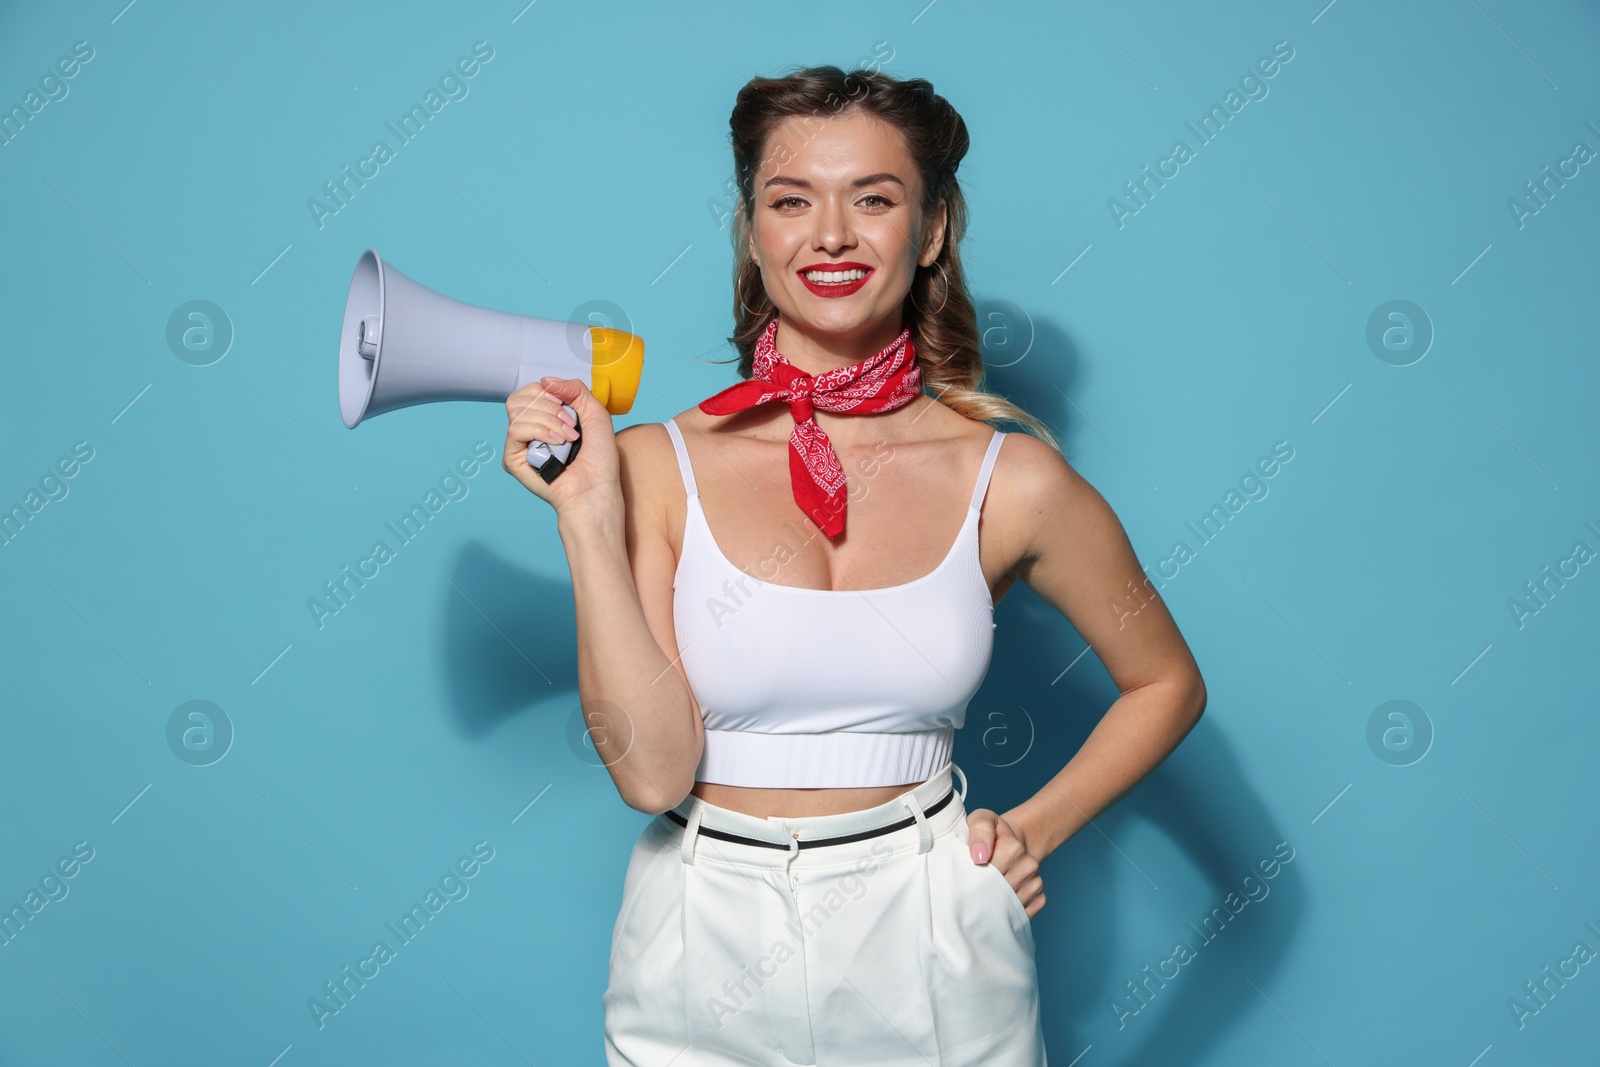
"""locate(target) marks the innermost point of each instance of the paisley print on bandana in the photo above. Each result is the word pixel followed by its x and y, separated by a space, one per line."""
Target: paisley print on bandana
pixel 883 382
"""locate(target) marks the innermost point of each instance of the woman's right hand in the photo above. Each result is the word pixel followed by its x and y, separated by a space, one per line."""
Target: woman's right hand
pixel 534 414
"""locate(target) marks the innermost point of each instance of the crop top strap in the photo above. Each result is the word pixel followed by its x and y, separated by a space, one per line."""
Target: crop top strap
pixel 683 457
pixel 985 471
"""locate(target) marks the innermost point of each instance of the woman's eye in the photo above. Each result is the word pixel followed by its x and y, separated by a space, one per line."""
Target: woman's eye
pixel 787 200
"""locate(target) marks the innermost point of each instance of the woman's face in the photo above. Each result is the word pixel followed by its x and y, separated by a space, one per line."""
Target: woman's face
pixel 841 191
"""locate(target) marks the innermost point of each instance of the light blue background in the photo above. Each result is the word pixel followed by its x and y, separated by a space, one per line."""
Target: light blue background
pixel 589 162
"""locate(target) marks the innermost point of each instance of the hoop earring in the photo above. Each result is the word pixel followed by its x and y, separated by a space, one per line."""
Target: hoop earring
pixel 931 314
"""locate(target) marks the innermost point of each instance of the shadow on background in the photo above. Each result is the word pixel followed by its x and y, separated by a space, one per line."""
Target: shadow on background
pixel 1024 725
pixel 510 640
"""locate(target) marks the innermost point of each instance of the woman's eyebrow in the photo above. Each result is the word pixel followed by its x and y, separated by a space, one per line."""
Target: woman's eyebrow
pixel 870 179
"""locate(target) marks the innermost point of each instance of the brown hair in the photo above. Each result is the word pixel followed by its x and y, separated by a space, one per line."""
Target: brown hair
pixel 946 338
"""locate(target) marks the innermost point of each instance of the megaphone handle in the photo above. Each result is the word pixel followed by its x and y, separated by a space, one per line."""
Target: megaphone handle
pixel 549 460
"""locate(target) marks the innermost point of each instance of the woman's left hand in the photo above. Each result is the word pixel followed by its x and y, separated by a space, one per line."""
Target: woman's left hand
pixel 994 839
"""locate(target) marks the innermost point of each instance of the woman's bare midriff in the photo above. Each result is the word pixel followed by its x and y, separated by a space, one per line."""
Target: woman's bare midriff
pixel 796 803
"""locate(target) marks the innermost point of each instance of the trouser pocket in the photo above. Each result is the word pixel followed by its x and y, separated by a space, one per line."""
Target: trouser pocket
pixel 983 984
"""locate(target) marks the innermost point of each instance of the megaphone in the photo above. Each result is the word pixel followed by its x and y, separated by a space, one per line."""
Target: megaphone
pixel 405 344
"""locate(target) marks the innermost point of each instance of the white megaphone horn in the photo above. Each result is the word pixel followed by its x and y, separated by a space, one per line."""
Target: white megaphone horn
pixel 405 344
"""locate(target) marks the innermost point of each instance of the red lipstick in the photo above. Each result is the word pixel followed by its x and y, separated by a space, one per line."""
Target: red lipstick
pixel 839 289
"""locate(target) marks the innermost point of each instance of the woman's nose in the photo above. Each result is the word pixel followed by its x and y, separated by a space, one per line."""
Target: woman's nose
pixel 833 230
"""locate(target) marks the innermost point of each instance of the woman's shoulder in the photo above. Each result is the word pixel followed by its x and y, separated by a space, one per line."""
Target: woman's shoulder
pixel 1033 488
pixel 688 420
pixel 1031 458
pixel 653 490
pixel 646 439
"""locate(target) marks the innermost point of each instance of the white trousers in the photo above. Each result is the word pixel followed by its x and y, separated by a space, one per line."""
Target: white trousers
pixel 892 949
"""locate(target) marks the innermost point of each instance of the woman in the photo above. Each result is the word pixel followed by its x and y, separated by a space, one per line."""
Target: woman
pixel 783 607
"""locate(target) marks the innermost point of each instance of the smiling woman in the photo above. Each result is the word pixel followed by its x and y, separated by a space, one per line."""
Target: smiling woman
pixel 786 705
pixel 771 128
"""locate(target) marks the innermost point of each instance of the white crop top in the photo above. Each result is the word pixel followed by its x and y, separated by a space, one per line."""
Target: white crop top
pixel 811 688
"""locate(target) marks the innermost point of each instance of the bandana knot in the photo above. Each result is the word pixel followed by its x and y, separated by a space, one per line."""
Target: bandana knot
pixel 882 382
pixel 800 388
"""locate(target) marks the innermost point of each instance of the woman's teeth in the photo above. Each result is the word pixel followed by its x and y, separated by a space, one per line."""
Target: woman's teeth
pixel 834 277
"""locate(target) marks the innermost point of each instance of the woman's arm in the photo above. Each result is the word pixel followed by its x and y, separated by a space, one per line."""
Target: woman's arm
pixel 610 514
pixel 622 584
pixel 1075 554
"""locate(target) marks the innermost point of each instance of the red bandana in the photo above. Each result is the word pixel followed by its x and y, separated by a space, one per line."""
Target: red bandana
pixel 883 382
